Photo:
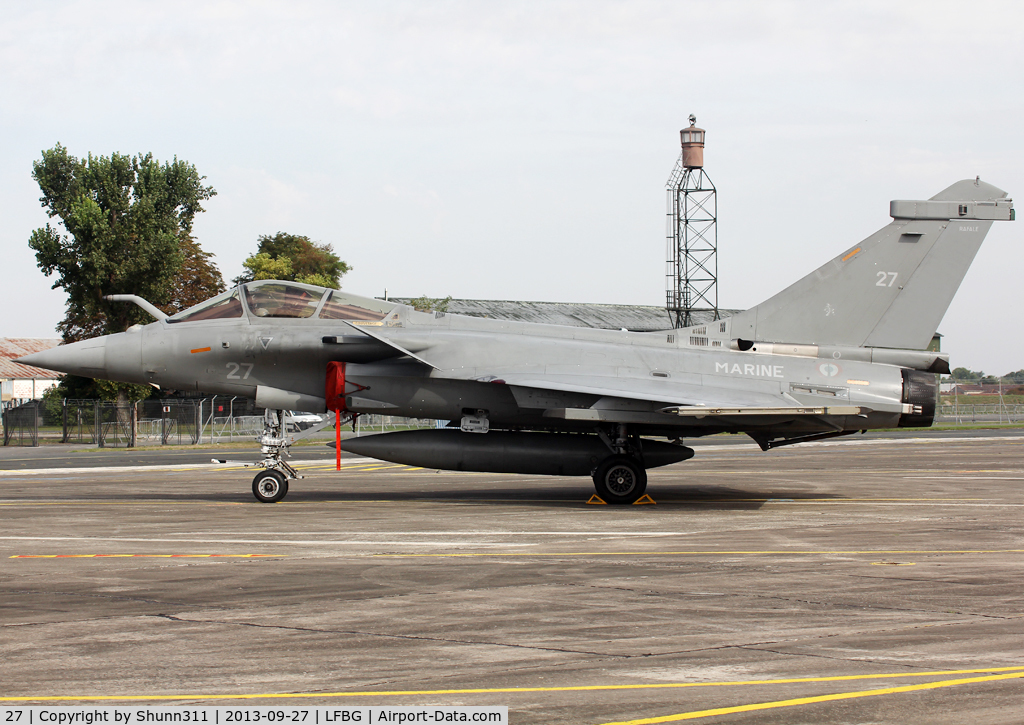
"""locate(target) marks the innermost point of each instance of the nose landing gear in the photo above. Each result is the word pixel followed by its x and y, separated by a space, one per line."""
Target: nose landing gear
pixel 271 484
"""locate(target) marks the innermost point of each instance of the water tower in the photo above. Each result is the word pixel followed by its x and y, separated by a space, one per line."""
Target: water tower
pixel 692 237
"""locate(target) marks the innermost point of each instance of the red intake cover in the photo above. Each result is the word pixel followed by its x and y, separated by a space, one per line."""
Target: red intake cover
pixel 335 386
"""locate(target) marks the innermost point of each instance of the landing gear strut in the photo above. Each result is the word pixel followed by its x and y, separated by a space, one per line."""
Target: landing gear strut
pixel 271 484
pixel 620 478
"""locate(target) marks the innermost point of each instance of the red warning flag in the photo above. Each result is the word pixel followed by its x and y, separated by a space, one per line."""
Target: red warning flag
pixel 335 395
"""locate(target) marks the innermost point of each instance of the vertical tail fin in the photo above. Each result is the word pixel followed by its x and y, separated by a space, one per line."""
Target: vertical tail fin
pixel 892 289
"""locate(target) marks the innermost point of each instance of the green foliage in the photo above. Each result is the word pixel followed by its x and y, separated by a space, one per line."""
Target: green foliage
pixel 127 221
pixel 1017 377
pixel 197 280
pixel 129 231
pixel 321 280
pixel 73 387
pixel 53 402
pixel 964 375
pixel 296 258
pixel 263 266
pixel 123 392
pixel 431 304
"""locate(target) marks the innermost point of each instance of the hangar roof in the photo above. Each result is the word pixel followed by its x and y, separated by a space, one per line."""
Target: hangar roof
pixel 15 347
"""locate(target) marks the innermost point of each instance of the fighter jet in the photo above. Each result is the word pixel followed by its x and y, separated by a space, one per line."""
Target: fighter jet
pixel 840 351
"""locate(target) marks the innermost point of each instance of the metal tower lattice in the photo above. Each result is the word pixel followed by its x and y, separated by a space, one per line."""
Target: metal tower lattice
pixel 692 244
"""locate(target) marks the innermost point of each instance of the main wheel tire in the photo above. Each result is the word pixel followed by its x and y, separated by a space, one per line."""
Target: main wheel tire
pixel 620 480
pixel 269 486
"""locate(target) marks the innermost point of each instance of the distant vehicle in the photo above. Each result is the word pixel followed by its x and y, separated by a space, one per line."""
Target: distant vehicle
pixel 840 351
pixel 301 420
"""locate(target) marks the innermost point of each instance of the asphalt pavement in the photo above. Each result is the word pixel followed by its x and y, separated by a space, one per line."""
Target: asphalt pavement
pixel 864 579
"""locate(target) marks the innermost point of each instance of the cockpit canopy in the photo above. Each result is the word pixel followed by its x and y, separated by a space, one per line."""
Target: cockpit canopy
pixel 282 299
pixel 277 299
pixel 221 307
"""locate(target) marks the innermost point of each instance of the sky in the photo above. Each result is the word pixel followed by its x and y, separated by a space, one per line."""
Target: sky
pixel 519 150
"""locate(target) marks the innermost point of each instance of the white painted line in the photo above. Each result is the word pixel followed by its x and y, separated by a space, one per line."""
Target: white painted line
pixel 967 478
pixel 870 442
pixel 637 534
pixel 276 542
pixel 172 467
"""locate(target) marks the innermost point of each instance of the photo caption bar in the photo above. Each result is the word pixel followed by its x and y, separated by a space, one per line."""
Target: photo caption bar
pixel 263 715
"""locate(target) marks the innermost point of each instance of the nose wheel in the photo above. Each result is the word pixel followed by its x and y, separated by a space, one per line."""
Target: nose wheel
pixel 620 479
pixel 269 486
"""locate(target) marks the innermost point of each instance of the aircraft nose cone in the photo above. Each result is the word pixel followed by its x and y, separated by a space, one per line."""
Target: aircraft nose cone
pixel 113 357
pixel 86 358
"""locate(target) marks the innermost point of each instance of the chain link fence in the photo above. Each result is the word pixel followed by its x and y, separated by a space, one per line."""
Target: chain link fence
pixel 225 419
pixel 21 425
pixel 970 402
pixel 218 419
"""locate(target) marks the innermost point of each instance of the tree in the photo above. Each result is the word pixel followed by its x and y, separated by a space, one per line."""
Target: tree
pixel 296 258
pixel 1017 377
pixel 263 266
pixel 430 304
pixel 965 375
pixel 198 279
pixel 129 231
pixel 129 224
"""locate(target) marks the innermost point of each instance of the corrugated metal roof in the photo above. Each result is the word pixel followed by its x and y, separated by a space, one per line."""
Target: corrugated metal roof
pixel 637 318
pixel 15 347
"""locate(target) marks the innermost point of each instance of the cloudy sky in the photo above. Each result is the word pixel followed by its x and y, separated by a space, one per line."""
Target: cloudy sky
pixel 520 150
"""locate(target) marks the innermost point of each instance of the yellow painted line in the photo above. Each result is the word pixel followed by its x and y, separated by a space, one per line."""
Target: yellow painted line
pixel 350 467
pixel 811 700
pixel 200 349
pixel 213 470
pixel 142 556
pixel 714 553
pixel 851 254
pixel 513 690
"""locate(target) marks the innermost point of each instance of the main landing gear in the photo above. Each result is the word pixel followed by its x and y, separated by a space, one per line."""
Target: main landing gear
pixel 271 484
pixel 621 478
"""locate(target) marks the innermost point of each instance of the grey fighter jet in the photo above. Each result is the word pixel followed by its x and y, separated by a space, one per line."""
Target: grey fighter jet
pixel 842 350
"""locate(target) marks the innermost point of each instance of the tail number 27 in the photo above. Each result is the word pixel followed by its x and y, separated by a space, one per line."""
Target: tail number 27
pixel 233 369
pixel 885 279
